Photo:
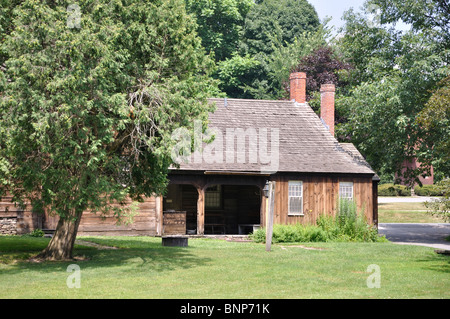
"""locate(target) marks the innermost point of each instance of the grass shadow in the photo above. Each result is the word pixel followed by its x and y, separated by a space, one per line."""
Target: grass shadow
pixel 436 262
pixel 138 252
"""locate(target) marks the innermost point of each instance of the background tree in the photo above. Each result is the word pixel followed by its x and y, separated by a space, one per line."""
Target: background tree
pixel 394 73
pixel 280 20
pixel 265 76
pixel 90 104
pixel 432 16
pixel 322 66
pixel 275 35
pixel 370 48
pixel 435 120
pixel 286 57
pixel 220 24
pixel 233 74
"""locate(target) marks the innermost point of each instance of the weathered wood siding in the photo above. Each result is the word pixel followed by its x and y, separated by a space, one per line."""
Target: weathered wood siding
pixel 145 223
pixel 27 221
pixel 241 204
pixel 320 196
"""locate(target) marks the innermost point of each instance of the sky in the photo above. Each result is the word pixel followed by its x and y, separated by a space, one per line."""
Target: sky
pixel 336 8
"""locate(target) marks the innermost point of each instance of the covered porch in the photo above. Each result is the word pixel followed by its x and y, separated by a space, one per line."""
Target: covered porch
pixel 213 204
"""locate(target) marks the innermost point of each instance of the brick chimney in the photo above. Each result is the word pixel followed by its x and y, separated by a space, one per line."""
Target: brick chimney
pixel 327 105
pixel 298 87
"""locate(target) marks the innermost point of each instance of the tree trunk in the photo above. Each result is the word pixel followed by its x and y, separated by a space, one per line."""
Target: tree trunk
pixel 61 245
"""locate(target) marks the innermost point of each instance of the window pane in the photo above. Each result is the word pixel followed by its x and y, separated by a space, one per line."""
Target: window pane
pixel 346 190
pixel 295 197
pixel 295 204
pixel 213 197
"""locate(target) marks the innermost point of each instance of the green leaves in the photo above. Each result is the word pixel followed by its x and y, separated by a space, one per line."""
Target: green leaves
pixel 234 72
pixel 393 75
pixel 376 123
pixel 430 16
pixel 89 107
pixel 441 206
pixel 435 120
pixel 274 19
pixel 220 24
pixel 255 44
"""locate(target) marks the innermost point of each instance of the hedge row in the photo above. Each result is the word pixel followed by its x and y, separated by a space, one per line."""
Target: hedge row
pixel 429 190
pixel 401 190
pixel 393 190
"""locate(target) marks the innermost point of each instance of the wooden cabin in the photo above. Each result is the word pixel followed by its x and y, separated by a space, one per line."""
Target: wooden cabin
pixel 219 190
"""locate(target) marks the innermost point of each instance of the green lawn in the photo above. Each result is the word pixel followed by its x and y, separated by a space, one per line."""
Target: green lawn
pixel 405 213
pixel 212 268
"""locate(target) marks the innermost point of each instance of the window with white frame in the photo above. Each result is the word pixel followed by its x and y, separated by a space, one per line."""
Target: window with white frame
pixel 346 190
pixel 295 198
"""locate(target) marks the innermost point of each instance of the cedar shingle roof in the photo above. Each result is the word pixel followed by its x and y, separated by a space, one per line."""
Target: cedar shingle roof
pixel 304 144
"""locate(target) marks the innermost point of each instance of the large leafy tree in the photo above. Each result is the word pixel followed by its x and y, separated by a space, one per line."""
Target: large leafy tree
pixel 431 16
pixel 275 35
pixel 90 95
pixel 264 76
pixel 435 120
pixel 220 24
pixel 394 75
pixel 277 20
pixel 370 48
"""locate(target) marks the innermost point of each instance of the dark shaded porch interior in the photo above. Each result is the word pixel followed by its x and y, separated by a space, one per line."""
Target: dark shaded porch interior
pixel 229 209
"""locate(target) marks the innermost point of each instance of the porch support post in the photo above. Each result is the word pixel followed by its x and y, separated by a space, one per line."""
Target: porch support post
pixel 201 211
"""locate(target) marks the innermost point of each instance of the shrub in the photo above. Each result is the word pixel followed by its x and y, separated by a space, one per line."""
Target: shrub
pixel 37 233
pixel 298 233
pixel 393 190
pixel 258 236
pixel 351 225
pixel 428 190
pixel 441 207
pixel 348 225
pixel 292 233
